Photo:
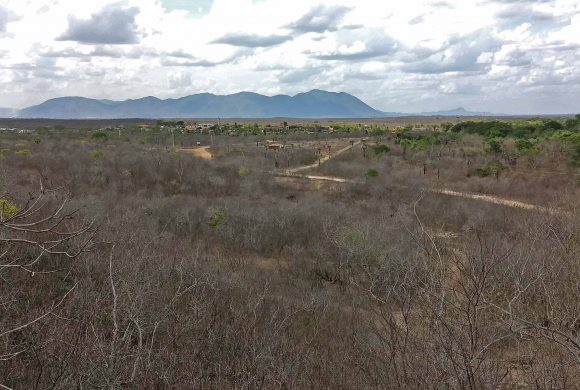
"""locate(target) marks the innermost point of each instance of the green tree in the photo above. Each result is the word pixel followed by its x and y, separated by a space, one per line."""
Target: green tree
pixel 552 126
pixel 494 146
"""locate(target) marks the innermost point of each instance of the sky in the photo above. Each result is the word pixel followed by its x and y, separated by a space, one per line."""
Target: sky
pixel 501 56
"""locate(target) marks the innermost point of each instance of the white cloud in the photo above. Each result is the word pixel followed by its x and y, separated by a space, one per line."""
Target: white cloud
pixel 111 25
pixel 420 55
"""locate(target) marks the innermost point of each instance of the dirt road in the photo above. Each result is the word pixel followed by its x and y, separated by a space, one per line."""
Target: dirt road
pixel 322 161
pixel 293 173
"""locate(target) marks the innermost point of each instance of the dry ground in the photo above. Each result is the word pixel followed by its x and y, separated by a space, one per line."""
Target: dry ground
pixel 203 152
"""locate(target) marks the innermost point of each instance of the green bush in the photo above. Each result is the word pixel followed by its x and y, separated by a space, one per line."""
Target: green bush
pixel 524 131
pixel 381 149
pixel 217 217
pixel 372 173
pixel 421 144
pixel 571 138
pixel 244 171
pixel 42 131
pixel 416 143
pixel 98 153
pixel 576 155
pixel 552 125
pixel 571 124
pixel 527 147
pixel 23 152
pixel 491 129
pixel 7 209
pixel 100 136
pixel 494 146
pixel 491 168
pixel 176 155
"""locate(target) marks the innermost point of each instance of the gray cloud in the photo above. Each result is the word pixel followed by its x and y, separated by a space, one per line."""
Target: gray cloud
pixel 460 63
pixel 298 75
pixel 194 64
pixel 459 54
pixel 320 19
pixel 374 47
pixel 460 89
pixel 516 15
pixel 3 18
pixel 441 4
pixel 252 40
pixel 6 16
pixel 366 76
pixel 180 54
pixel 520 1
pixel 40 68
pixel 134 52
pixel 556 46
pixel 101 51
pixel 516 12
pixel 417 20
pixel 66 53
pixel 181 60
pixel 111 25
pixel 515 58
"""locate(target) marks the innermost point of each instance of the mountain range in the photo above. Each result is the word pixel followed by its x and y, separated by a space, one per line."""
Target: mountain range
pixel 313 104
pixel 7 112
pixel 460 111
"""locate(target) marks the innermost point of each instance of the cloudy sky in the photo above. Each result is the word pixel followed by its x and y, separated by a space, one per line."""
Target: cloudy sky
pixel 507 56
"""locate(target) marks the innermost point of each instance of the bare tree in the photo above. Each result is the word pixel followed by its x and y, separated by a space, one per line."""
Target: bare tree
pixel 40 238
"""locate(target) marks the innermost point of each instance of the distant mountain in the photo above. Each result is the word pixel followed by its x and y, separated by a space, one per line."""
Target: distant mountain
pixel 7 112
pixel 313 104
pixel 460 111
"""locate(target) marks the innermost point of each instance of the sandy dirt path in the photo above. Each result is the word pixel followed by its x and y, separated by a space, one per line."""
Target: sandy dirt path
pixel 465 195
pixel 201 152
pixel 498 200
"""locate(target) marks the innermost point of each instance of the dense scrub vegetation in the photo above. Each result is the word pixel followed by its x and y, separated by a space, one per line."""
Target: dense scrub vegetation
pixel 127 263
pixel 528 132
